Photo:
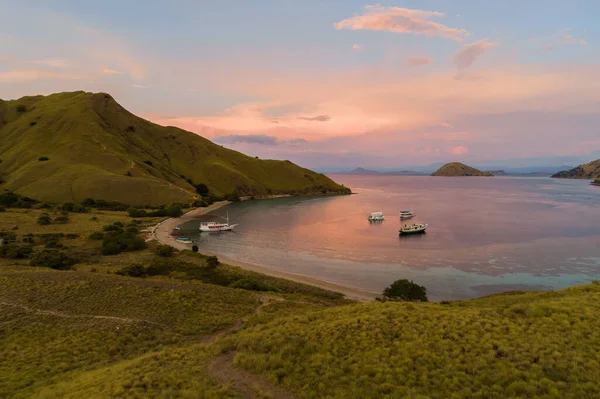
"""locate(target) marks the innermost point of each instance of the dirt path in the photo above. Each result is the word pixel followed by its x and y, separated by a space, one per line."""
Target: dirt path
pixel 82 316
pixel 246 384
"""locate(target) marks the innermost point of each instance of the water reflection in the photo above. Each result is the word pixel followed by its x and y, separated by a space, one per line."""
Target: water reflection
pixel 491 227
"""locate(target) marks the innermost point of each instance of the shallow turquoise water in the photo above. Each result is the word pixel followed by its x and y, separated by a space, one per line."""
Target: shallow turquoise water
pixel 485 235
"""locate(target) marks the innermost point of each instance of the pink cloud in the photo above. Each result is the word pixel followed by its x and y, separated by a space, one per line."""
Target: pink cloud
pixel 563 37
pixel 109 71
pixel 357 47
pixel 460 150
pixel 418 60
pixel 53 62
pixel 467 55
pixel 401 20
pixel 446 124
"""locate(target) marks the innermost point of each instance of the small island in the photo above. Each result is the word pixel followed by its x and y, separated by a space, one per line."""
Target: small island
pixel 459 169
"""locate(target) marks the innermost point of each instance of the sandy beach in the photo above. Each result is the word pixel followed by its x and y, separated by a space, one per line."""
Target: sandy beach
pixel 162 233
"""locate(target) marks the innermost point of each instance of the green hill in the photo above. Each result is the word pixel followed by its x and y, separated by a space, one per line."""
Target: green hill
pixel 77 145
pixel 589 170
pixel 513 345
pixel 459 169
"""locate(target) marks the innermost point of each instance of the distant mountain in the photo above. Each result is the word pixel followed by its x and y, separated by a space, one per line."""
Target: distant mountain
pixel 362 170
pixel 71 146
pixel 496 172
pixel 590 170
pixel 459 169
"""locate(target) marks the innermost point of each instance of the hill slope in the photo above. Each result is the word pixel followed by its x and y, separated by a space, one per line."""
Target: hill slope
pixel 586 171
pixel 96 148
pixel 517 345
pixel 459 169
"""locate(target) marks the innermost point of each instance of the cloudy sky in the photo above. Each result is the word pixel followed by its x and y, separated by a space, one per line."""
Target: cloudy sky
pixel 329 83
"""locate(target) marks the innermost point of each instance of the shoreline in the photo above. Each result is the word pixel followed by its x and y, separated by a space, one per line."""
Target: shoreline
pixel 162 233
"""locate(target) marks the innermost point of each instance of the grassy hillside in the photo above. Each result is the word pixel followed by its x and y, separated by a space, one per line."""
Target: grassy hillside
pixel 514 345
pixel 72 146
pixel 589 170
pixel 459 169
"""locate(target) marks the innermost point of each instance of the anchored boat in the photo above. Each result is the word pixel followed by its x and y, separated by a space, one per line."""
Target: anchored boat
pixel 407 214
pixel 376 217
pixel 214 226
pixel 415 228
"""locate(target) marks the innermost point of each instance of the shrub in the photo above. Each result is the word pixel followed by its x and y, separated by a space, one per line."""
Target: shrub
pixel 253 285
pixel 165 251
pixel 148 162
pixel 404 290
pixel 53 244
pixel 88 202
pixel 233 197
pixel 43 158
pixel 15 251
pixel 123 242
pixel 131 128
pixel 21 108
pixel 137 213
pixel 44 219
pixel 52 258
pixel 128 174
pixel 174 211
pixel 212 262
pixel 201 189
pixel 98 235
pixel 33 123
pixel 63 219
pixel 133 271
pixel 194 248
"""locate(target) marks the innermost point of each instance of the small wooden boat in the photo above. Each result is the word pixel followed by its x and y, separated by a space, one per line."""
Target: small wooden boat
pixel 184 240
pixel 415 228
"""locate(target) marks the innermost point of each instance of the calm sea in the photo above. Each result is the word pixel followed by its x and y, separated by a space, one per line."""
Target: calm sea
pixel 485 235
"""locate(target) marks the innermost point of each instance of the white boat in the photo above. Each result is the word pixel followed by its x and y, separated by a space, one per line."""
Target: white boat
pixel 214 226
pixel 414 228
pixel 407 214
pixel 376 216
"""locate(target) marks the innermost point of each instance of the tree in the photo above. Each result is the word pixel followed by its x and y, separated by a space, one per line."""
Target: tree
pixel 53 259
pixel 166 251
pixel 174 211
pixel 44 158
pixel 404 290
pixel 212 262
pixel 201 189
pixel 44 219
pixel 194 248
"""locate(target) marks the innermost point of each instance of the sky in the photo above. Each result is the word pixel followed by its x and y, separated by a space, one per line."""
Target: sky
pixel 329 84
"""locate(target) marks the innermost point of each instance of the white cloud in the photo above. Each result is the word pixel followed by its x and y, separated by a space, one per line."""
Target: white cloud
pixel 401 20
pixel 109 71
pixel 53 62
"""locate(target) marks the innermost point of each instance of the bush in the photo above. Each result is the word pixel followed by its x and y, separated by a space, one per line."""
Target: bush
pixel 67 207
pixel 44 219
pixel 194 248
pixel 212 262
pixel 131 128
pixel 53 244
pixel 98 235
pixel 165 251
pixel 174 211
pixel 137 213
pixel 63 219
pixel 233 197
pixel 133 271
pixel 404 290
pixel 253 285
pixel 123 242
pixel 33 123
pixel 201 189
pixel 43 158
pixel 53 259
pixel 15 251
pixel 21 108
pixel 147 162
pixel 88 202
